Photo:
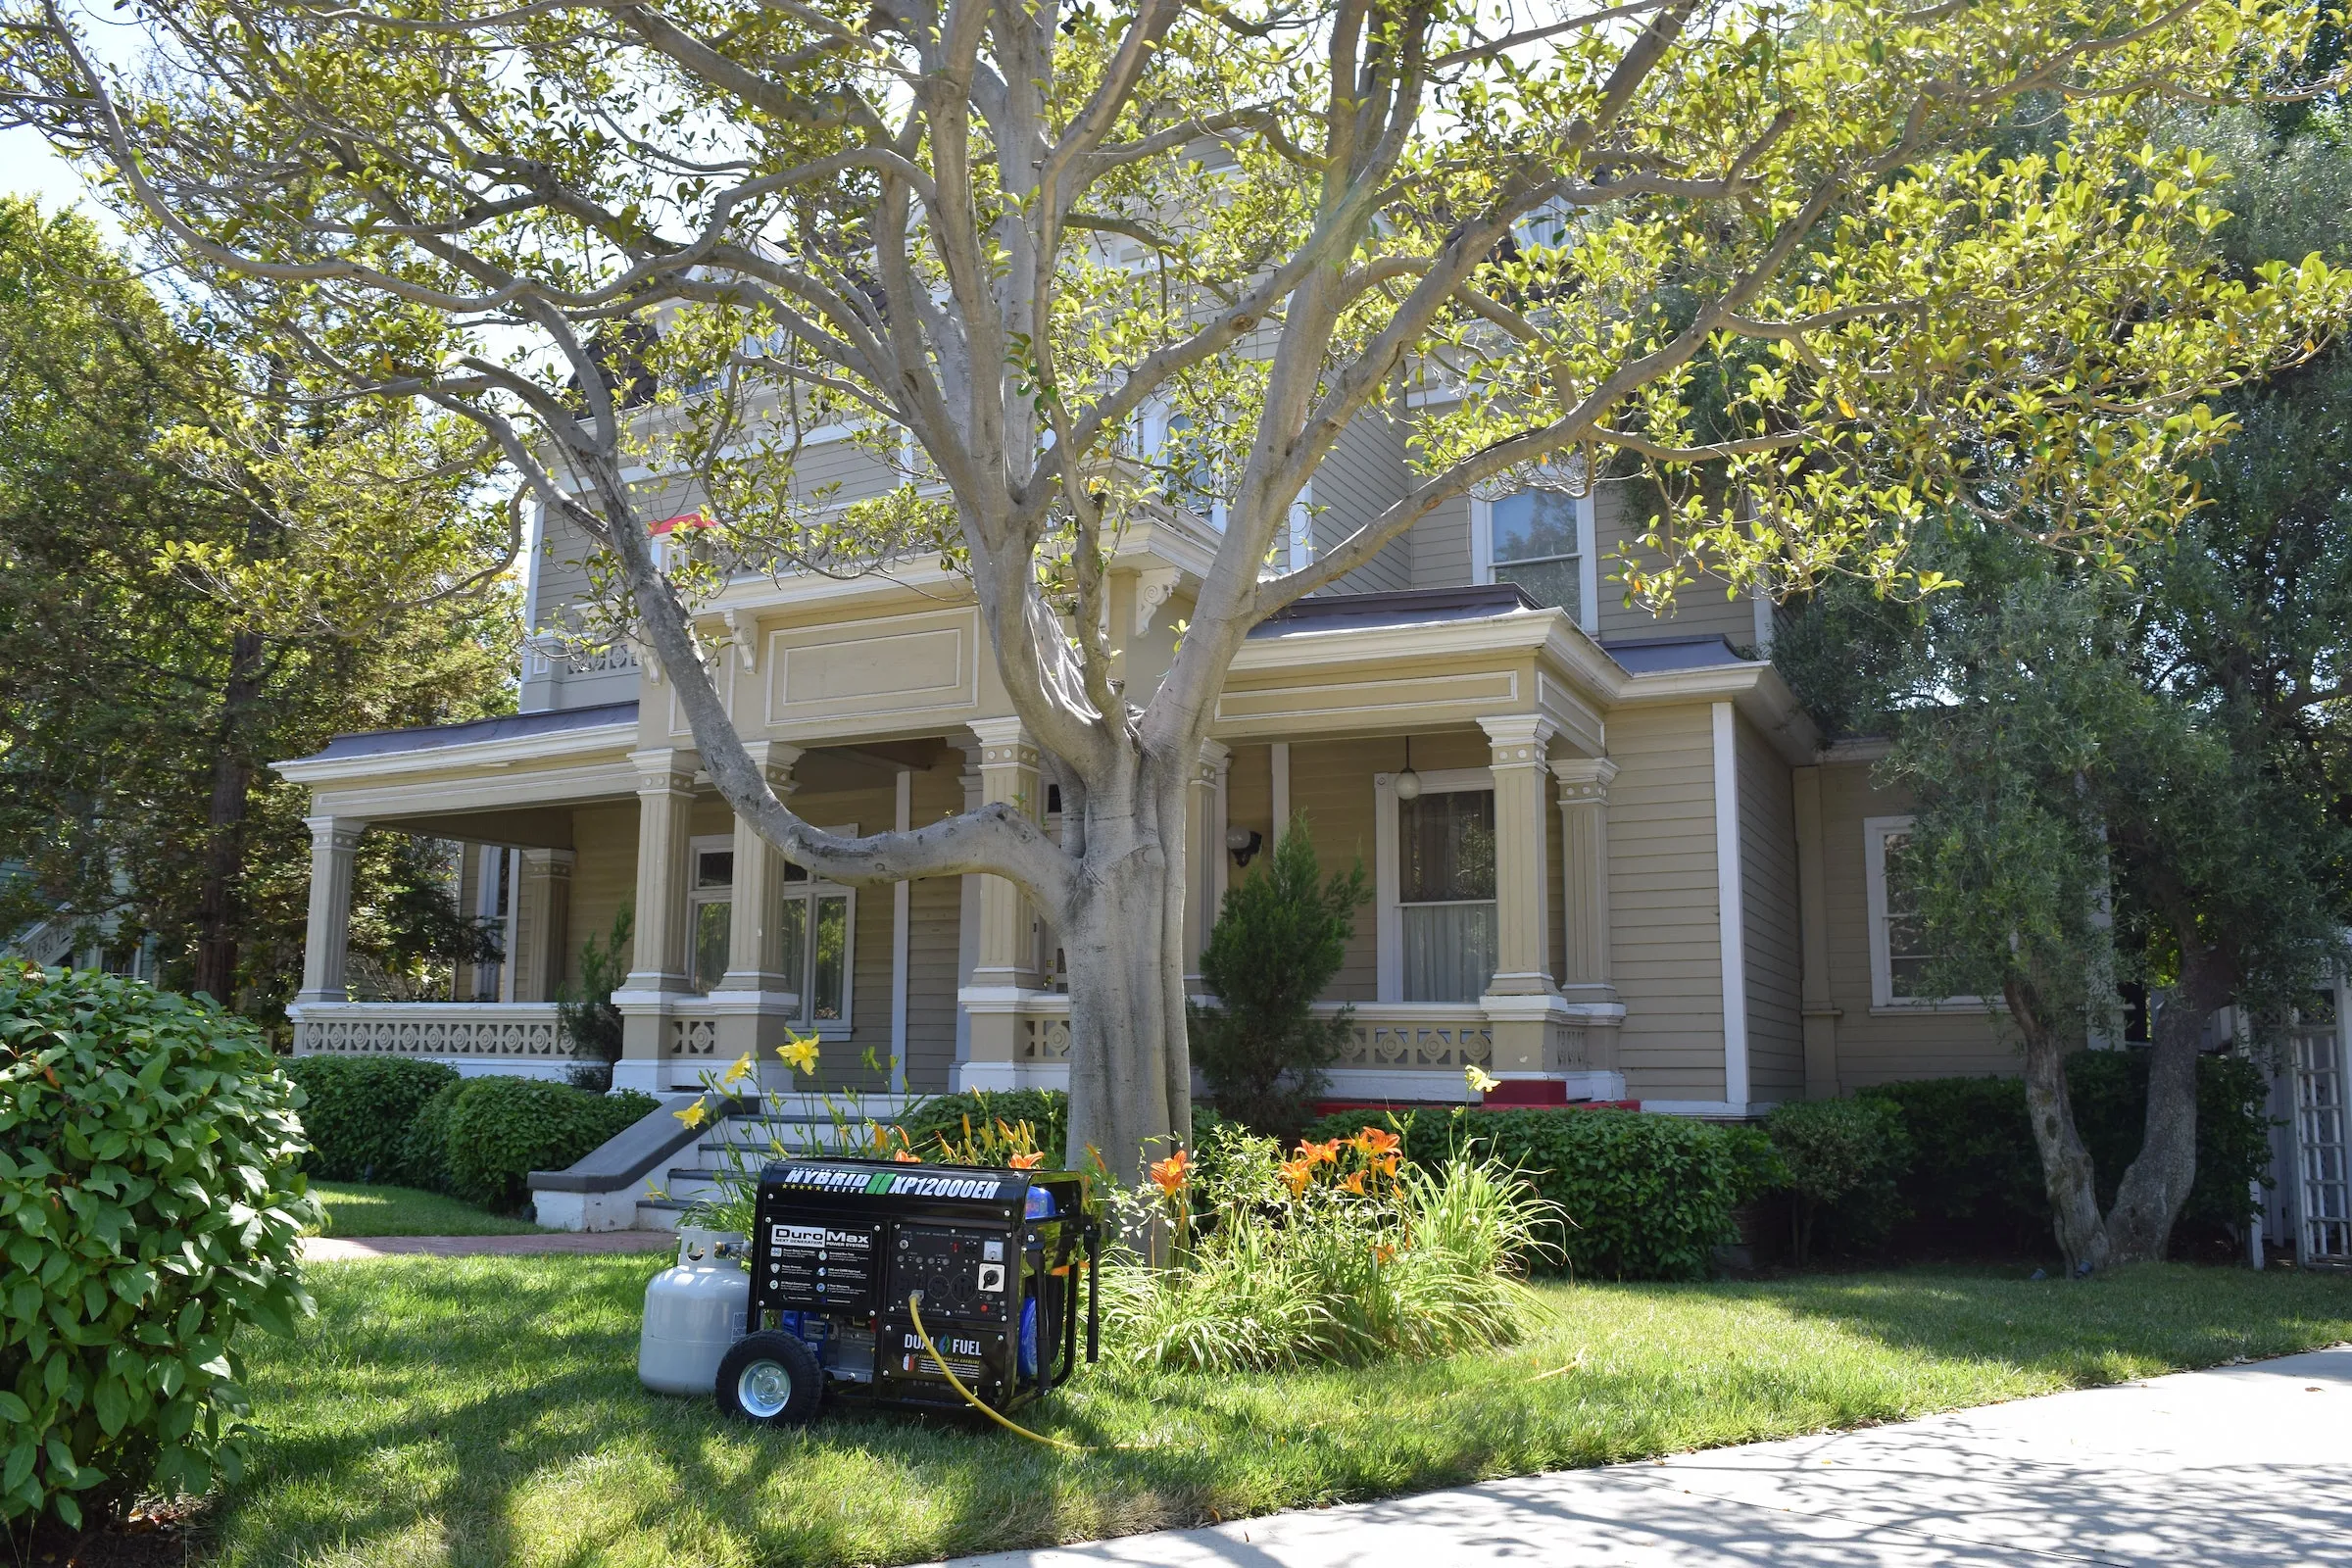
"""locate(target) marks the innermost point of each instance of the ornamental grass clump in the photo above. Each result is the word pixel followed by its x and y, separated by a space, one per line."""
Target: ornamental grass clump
pixel 151 1207
pixel 1336 1253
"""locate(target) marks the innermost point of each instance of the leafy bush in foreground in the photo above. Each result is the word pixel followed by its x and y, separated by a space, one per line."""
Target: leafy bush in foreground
pixel 503 1129
pixel 357 1110
pixel 1638 1196
pixel 148 1190
pixel 1340 1254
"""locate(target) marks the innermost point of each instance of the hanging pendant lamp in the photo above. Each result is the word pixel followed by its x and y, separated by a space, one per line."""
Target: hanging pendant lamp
pixel 1407 784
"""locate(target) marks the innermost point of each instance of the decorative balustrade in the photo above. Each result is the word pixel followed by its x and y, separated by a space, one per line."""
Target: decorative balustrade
pixel 501 1030
pixel 1438 1037
pixel 690 1036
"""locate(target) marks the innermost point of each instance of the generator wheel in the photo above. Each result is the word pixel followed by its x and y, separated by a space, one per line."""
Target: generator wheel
pixel 770 1378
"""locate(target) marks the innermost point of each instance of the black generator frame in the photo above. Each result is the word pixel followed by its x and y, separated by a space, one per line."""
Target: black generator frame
pixel 838 1244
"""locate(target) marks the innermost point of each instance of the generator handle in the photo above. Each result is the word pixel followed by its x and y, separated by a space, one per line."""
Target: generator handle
pixel 1093 1289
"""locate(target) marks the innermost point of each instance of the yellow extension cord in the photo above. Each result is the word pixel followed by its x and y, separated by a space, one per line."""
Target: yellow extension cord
pixel 969 1397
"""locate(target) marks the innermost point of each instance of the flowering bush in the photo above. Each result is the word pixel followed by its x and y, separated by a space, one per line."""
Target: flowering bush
pixel 1336 1251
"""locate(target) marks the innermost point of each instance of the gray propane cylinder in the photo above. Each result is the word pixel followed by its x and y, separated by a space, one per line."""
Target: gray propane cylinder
pixel 694 1311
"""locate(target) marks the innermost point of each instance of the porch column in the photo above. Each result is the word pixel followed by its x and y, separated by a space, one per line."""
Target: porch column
pixel 754 929
pixel 542 900
pixel 1585 867
pixel 1204 854
pixel 334 845
pixel 1001 941
pixel 658 967
pixel 1008 775
pixel 1522 949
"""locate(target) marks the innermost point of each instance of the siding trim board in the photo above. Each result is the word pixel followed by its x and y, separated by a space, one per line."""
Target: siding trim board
pixel 1730 908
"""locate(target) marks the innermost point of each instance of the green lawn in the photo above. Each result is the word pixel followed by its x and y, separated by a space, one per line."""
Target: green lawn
pixel 486 1411
pixel 352 1208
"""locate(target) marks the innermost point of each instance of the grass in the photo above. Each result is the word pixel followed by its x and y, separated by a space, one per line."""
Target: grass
pixel 354 1208
pixel 486 1411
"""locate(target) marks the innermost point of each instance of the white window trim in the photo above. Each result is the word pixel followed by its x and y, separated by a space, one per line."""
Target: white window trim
pixel 815 888
pixel 1587 556
pixel 1388 876
pixel 1876 831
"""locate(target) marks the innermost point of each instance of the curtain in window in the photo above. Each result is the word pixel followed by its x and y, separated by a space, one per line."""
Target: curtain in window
pixel 1448 950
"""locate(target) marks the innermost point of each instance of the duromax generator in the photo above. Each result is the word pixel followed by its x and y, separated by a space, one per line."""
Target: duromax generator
pixel 838 1247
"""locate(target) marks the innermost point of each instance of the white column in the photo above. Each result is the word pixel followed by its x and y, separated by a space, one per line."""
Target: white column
pixel 326 941
pixel 1730 910
pixel 1279 757
pixel 664 824
pixel 1203 854
pixel 901 937
pixel 1009 775
pixel 1522 909
pixel 542 900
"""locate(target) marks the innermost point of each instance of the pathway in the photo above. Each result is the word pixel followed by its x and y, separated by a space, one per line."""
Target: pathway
pixel 343 1248
pixel 2238 1466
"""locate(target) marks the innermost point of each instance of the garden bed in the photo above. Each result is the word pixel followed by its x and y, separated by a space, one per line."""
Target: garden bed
pixel 486 1410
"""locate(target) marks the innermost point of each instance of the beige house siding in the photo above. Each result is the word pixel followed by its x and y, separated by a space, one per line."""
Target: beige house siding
pixel 1776 1034
pixel 1621 509
pixel 1440 545
pixel 1891 1045
pixel 935 912
pixel 1665 954
pixel 1360 478
pixel 604 876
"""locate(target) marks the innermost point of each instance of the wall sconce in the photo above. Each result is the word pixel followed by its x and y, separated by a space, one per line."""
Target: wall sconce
pixel 1244 842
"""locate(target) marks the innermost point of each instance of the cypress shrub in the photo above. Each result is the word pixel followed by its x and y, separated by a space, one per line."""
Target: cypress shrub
pixel 357 1111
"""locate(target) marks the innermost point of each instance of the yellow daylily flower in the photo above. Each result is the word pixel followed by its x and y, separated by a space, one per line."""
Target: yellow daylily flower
pixel 1481 1081
pixel 800 1055
pixel 742 1069
pixel 693 1115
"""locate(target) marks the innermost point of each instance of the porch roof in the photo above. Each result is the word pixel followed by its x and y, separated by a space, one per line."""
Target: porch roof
pixel 1659 655
pixel 506 728
pixel 1407 606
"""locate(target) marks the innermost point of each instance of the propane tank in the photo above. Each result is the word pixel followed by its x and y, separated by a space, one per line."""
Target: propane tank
pixel 694 1311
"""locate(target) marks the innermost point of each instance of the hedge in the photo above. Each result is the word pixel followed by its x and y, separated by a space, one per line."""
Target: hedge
pixel 502 1129
pixel 151 1203
pixel 1646 1197
pixel 424 1147
pixel 1976 1172
pixel 357 1111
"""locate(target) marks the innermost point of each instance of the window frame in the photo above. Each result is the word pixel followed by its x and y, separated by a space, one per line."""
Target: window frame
pixel 1876 831
pixel 1388 873
pixel 808 890
pixel 1586 558
pixel 696 896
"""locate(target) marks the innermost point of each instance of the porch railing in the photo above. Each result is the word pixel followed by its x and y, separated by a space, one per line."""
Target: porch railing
pixel 1441 1037
pixel 502 1030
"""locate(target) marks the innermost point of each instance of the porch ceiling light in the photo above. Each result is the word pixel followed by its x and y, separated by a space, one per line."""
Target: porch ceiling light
pixel 1243 842
pixel 1407 784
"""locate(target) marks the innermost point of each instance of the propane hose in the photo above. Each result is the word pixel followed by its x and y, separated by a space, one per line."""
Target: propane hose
pixel 915 1312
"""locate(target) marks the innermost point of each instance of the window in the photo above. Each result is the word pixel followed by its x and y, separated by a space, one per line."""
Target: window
pixel 819 920
pixel 1435 875
pixel 712 909
pixel 1541 539
pixel 1898 950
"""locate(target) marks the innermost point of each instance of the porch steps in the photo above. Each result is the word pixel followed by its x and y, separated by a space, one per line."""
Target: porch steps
pixel 801 1123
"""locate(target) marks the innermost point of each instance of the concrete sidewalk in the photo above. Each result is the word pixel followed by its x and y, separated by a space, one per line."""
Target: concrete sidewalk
pixel 344 1249
pixel 2242 1465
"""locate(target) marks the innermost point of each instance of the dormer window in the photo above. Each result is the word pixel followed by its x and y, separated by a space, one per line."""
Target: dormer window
pixel 1542 540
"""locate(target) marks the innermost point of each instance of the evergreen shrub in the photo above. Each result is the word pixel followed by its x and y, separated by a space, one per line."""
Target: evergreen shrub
pixel 1840 1159
pixel 357 1111
pixel 424 1147
pixel 503 1129
pixel 151 1202
pixel 1641 1197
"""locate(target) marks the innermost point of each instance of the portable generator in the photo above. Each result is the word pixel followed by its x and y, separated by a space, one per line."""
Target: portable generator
pixel 838 1249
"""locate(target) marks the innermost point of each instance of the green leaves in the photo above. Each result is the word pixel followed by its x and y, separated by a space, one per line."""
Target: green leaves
pixel 136 1258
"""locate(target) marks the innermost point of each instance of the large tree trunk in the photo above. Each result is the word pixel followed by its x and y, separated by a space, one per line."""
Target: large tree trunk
pixel 220 906
pixel 2153 1189
pixel 2066 1169
pixel 1130 1072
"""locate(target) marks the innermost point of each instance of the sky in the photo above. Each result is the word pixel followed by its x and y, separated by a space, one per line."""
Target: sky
pixel 28 167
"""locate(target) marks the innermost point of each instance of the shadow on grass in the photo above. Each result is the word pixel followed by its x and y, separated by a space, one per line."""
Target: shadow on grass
pixel 486 1411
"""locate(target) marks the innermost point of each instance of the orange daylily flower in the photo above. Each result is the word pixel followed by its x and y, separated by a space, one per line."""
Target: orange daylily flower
pixel 1386 1164
pixel 1383 1252
pixel 1352 1182
pixel 1377 1141
pixel 1171 1173
pixel 906 1156
pixel 1027 1162
pixel 1326 1153
pixel 1295 1174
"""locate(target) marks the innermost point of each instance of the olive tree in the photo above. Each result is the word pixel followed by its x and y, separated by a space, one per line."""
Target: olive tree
pixel 999 237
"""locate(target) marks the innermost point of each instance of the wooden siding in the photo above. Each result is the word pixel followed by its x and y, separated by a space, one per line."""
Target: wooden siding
pixel 1360 478
pixel 1665 954
pixel 1890 1045
pixel 1776 1032
pixel 1620 510
pixel 935 913
pixel 1440 544
pixel 604 877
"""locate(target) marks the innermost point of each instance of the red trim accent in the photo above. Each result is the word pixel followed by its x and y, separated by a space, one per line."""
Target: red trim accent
pixel 684 519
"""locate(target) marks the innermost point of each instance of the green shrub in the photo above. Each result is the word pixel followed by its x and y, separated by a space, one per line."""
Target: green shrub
pixel 1976 1173
pixel 1840 1157
pixel 584 1010
pixel 502 1129
pixel 1280 1265
pixel 1643 1197
pixel 357 1110
pixel 1280 938
pixel 1046 1110
pixel 148 1190
pixel 424 1147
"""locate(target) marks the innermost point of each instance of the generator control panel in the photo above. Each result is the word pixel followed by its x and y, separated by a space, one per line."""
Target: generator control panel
pixel 964 1274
